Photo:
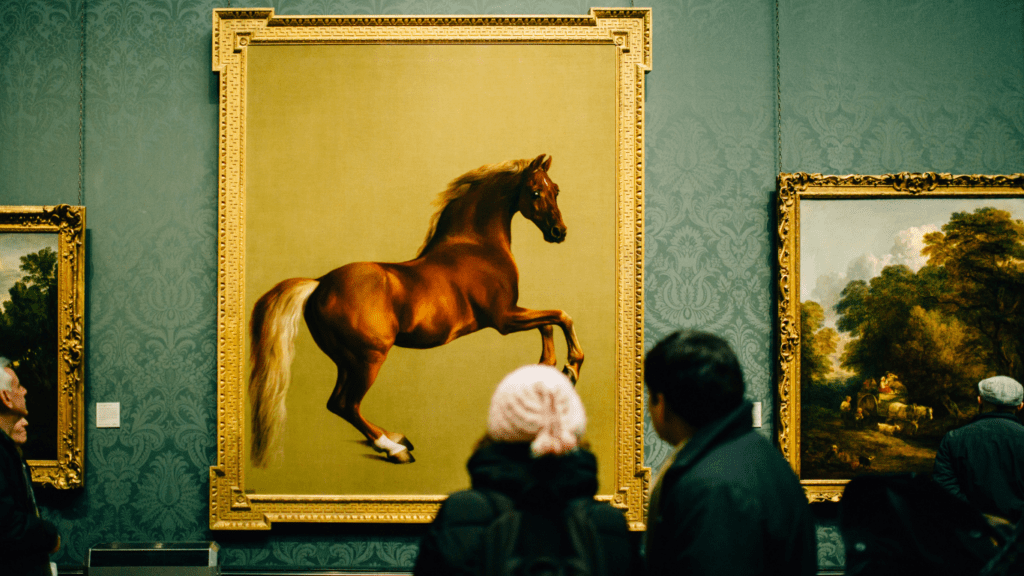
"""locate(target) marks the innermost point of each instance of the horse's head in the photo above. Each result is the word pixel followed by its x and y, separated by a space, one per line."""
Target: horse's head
pixel 538 199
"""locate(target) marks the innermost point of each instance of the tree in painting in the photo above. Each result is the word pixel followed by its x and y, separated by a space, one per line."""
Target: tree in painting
pixel 816 345
pixel 983 255
pixel 28 337
pixel 914 344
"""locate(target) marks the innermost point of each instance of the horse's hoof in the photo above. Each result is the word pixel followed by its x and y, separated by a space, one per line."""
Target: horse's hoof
pixel 403 457
pixel 571 373
pixel 399 438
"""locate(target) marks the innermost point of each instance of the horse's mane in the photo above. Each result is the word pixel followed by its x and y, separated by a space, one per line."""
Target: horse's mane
pixel 461 186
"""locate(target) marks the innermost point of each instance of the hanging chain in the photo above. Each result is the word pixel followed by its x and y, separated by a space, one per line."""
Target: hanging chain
pixel 778 96
pixel 81 109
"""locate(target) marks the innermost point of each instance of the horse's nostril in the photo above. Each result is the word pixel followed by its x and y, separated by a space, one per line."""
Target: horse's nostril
pixel 558 233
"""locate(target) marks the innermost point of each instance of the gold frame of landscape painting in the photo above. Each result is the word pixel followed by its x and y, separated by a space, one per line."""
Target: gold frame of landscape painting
pixel 337 136
pixel 889 310
pixel 43 251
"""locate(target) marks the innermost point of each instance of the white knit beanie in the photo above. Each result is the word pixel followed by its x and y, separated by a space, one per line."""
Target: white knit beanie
pixel 537 404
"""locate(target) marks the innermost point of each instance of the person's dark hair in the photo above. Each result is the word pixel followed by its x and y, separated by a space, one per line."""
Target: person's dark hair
pixel 698 374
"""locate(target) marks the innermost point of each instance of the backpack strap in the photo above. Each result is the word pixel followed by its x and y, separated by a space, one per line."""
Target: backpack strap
pixel 583 538
pixel 498 502
pixel 499 552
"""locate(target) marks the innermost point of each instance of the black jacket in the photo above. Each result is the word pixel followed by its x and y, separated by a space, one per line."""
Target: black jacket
pixel 453 543
pixel 983 463
pixel 730 504
pixel 25 538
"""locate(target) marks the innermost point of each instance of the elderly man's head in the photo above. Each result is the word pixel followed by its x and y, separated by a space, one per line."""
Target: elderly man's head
pixel 12 393
pixel 1000 393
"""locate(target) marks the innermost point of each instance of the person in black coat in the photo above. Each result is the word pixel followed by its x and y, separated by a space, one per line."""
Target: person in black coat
pixel 727 502
pixel 532 456
pixel 983 462
pixel 26 540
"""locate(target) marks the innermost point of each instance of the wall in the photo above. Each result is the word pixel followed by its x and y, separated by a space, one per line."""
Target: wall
pixel 867 86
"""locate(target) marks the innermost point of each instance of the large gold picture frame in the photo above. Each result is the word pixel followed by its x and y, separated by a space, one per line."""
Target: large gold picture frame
pixel 270 199
pixel 20 227
pixel 878 354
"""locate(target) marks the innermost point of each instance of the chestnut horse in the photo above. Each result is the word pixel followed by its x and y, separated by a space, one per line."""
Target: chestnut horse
pixel 463 279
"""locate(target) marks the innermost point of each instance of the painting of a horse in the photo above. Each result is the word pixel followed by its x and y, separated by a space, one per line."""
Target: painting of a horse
pixel 463 279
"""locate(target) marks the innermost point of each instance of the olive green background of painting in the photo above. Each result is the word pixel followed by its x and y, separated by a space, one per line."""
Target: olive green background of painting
pixel 347 148
pixel 868 86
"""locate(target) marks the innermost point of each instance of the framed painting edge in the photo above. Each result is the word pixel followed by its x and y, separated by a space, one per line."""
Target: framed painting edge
pixel 791 188
pixel 68 222
pixel 232 506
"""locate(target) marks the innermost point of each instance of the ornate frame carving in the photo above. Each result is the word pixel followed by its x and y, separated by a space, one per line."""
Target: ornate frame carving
pixel 68 222
pixel 231 505
pixel 792 190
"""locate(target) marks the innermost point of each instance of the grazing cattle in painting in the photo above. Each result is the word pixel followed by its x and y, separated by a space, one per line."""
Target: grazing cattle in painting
pixel 889 429
pixel 908 413
pixel 463 279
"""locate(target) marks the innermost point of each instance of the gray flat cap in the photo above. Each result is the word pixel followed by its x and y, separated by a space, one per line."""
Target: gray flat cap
pixel 1001 390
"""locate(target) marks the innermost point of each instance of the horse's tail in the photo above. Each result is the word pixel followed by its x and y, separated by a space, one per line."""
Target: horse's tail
pixel 273 326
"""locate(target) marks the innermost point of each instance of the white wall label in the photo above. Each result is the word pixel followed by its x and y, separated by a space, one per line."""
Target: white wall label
pixel 756 414
pixel 108 414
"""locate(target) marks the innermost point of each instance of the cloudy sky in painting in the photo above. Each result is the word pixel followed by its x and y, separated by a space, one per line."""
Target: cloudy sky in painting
pixel 846 240
pixel 13 246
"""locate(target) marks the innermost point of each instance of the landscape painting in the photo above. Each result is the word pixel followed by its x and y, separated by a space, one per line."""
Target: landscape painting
pixel 28 331
pixel 906 301
pixel 42 333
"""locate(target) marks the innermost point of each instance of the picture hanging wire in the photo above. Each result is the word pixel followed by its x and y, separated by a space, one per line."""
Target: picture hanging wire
pixel 778 96
pixel 81 106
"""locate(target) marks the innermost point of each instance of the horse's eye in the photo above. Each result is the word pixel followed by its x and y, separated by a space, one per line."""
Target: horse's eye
pixel 536 193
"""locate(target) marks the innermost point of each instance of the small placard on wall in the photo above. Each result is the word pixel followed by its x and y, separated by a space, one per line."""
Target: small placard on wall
pixel 756 415
pixel 108 414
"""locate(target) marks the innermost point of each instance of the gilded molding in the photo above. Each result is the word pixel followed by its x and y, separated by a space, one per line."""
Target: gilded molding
pixel 234 30
pixel 791 190
pixel 68 222
pixel 825 493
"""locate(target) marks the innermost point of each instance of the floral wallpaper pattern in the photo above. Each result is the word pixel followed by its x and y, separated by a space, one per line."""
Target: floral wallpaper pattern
pixel 867 86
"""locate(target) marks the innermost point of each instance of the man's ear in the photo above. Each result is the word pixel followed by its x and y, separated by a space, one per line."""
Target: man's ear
pixel 656 397
pixel 656 407
pixel 6 400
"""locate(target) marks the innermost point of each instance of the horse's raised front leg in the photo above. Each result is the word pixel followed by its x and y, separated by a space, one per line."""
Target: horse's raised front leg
pixel 547 344
pixel 520 319
pixel 354 381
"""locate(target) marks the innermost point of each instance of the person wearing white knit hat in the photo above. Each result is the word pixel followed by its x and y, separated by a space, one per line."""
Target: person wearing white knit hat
pixel 537 404
pixel 533 459
pixel 981 462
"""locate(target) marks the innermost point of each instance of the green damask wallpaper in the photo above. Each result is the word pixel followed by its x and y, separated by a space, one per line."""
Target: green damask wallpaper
pixel 867 86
